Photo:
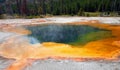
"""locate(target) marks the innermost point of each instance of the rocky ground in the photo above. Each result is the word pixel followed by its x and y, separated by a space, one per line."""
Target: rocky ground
pixel 51 64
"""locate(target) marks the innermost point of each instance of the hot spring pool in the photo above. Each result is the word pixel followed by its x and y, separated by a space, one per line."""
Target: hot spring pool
pixel 68 34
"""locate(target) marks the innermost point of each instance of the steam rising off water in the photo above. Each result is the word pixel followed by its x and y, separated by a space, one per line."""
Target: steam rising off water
pixel 32 40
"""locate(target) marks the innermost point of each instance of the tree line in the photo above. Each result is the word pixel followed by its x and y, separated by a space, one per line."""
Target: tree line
pixel 57 7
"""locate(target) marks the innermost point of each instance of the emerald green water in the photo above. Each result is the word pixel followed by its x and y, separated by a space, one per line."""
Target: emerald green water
pixel 69 34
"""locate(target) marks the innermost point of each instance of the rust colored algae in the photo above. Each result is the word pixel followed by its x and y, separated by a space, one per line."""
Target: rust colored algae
pixel 106 49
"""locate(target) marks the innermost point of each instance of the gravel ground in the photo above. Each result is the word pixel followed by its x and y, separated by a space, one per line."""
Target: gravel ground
pixel 51 64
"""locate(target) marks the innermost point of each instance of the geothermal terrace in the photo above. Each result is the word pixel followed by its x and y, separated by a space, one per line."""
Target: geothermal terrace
pixel 60 43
